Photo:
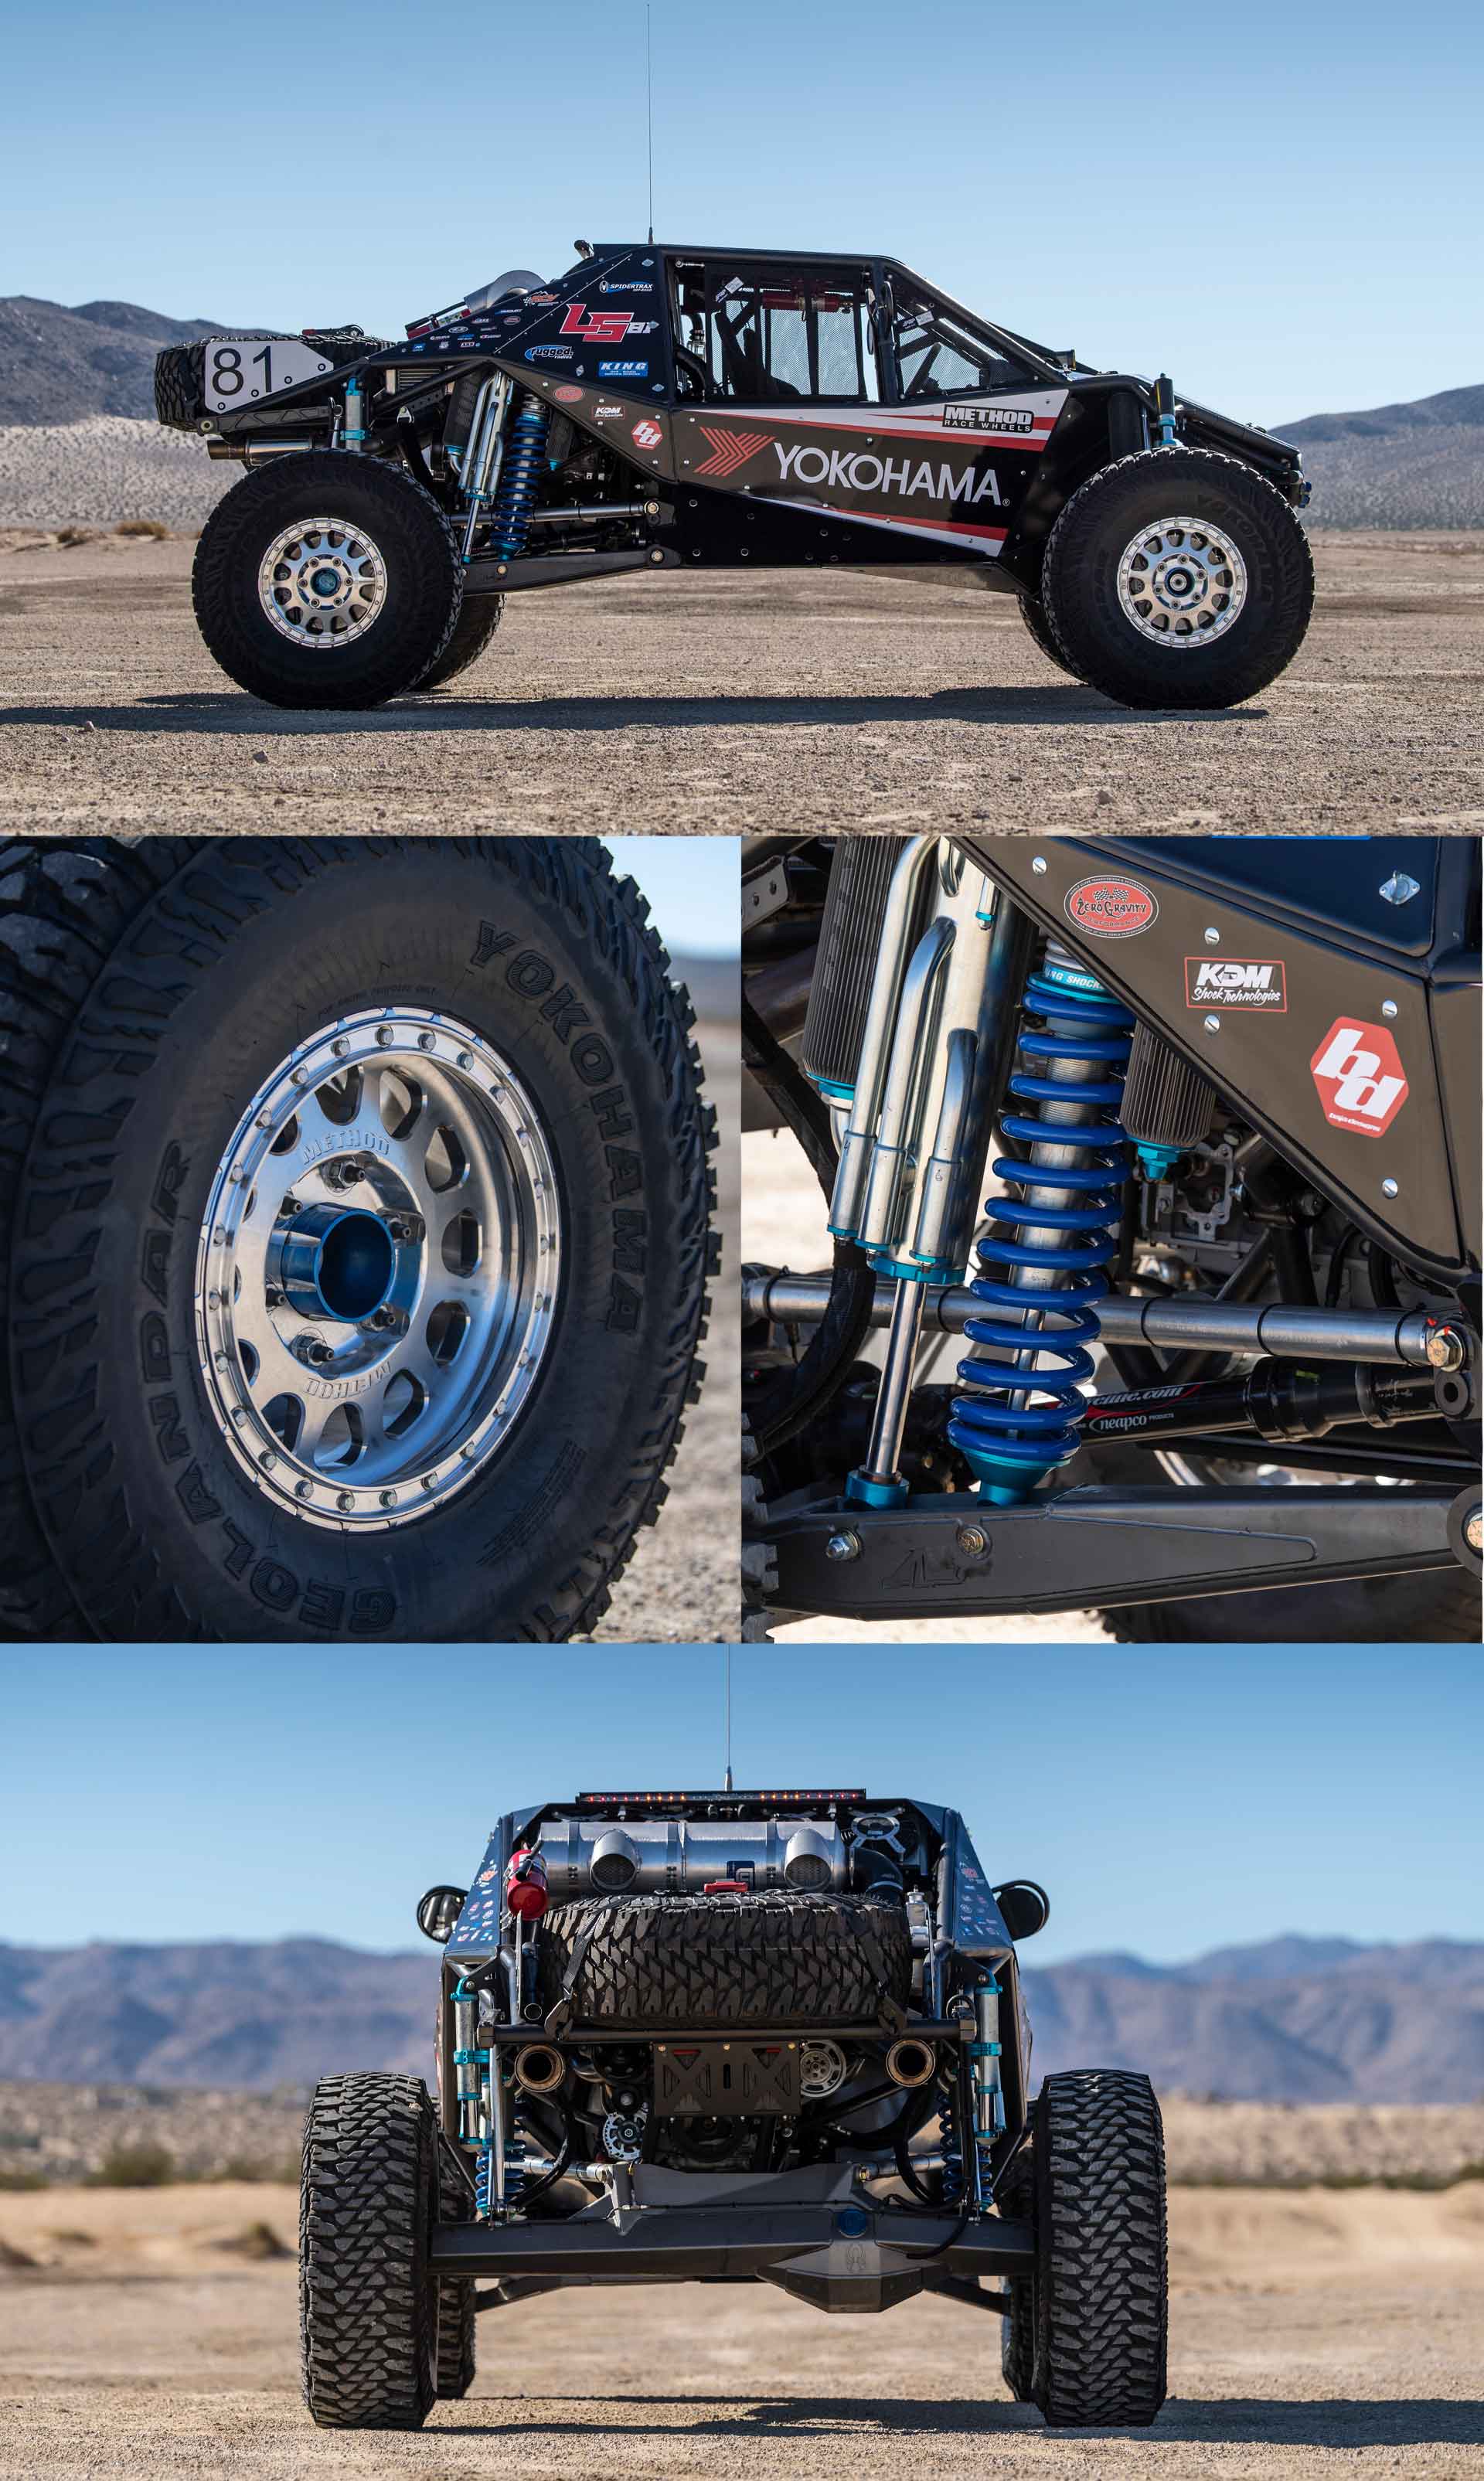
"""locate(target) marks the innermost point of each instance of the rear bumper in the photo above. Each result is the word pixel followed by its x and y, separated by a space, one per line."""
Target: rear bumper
pixel 848 2255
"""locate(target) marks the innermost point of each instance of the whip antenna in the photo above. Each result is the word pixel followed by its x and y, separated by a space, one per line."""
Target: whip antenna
pixel 726 1704
pixel 649 116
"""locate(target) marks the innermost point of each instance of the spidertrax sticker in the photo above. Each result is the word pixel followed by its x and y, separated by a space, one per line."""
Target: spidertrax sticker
pixel 1110 908
pixel 1236 981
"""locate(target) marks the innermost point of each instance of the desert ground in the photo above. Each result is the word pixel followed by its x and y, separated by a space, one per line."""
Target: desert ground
pixel 874 699
pixel 679 1587
pixel 1314 2331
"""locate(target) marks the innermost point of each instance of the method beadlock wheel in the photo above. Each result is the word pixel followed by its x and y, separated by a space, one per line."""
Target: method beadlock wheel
pixel 355 1241
pixel 327 580
pixel 1178 578
pixel 770 1958
pixel 369 2343
pixel 1102 2283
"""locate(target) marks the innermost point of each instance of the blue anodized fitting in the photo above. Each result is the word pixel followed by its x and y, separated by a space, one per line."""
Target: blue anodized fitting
pixel 1059 1220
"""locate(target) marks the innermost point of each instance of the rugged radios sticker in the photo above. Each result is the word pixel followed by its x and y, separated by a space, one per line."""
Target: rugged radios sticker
pixel 1236 981
pixel 1359 1078
pixel 1110 908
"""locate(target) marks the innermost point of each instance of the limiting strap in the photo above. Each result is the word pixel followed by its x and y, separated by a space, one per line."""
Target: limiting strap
pixel 560 2012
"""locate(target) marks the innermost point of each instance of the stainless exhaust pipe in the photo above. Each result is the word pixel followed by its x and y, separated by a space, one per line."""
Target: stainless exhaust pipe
pixel 911 2063
pixel 539 2068
pixel 1419 1341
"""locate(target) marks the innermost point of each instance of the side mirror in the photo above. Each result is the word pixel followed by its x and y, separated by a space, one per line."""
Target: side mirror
pixel 1024 1907
pixel 438 1912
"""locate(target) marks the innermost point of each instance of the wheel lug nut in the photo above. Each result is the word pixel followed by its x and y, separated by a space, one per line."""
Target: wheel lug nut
pixel 274 1297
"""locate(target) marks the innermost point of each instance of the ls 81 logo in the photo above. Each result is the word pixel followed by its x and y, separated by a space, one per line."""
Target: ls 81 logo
pixel 603 326
pixel 1359 1078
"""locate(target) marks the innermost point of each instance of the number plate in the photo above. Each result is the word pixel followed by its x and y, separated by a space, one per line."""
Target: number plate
pixel 243 370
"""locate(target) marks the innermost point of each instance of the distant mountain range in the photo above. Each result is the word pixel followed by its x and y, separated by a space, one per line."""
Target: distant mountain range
pixel 1292 2020
pixel 60 365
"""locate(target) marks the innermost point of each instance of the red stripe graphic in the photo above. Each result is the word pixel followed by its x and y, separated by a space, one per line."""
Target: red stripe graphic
pixel 730 450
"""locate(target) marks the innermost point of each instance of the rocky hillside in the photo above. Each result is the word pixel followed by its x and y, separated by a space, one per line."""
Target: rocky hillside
pixel 1290 2021
pixel 60 365
pixel 1397 467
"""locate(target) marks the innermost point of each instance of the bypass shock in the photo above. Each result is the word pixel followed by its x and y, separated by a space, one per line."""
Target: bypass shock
pixel 1056 1233
pixel 516 499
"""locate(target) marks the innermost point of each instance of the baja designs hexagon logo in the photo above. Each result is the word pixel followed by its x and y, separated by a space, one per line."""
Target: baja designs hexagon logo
pixel 1359 1077
pixel 1110 908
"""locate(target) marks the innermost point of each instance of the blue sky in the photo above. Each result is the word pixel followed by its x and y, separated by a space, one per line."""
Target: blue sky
pixel 693 885
pixel 1171 1799
pixel 1279 205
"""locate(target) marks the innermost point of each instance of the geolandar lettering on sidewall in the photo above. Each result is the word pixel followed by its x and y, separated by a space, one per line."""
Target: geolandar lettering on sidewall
pixel 533 977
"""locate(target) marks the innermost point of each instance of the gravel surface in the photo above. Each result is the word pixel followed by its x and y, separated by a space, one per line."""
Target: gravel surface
pixel 689 704
pixel 1313 2335
pixel 106 467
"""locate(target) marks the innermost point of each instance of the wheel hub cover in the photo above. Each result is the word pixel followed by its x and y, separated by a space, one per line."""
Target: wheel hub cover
pixel 1181 582
pixel 378 1270
pixel 321 583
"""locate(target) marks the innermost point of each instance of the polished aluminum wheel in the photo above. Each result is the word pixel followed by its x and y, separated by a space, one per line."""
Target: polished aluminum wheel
pixel 379 1269
pixel 321 583
pixel 1181 582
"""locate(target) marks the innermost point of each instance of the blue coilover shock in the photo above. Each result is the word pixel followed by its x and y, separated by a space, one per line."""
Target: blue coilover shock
pixel 515 498
pixel 1056 1232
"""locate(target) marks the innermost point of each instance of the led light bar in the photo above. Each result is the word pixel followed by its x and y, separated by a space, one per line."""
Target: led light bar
pixel 667 1799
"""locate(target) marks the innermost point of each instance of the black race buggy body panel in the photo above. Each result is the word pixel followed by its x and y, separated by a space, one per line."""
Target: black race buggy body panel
pixel 976 477
pixel 1341 1021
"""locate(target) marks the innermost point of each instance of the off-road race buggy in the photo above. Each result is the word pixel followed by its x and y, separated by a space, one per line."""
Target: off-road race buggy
pixel 1232 1088
pixel 354 1237
pixel 726 2037
pixel 679 408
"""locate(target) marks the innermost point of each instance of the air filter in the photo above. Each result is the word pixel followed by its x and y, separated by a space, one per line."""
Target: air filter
pixel 849 935
pixel 1167 1104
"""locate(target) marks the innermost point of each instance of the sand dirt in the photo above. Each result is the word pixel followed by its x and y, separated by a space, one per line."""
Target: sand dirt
pixel 1311 2335
pixel 690 704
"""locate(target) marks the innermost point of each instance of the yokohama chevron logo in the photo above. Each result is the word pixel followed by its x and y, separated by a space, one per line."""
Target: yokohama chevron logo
pixel 730 450
pixel 1359 1077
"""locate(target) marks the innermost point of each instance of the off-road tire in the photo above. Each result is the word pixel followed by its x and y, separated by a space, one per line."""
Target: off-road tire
pixel 1080 590
pixel 776 1957
pixel 1102 2278
pixel 146 990
pixel 180 374
pixel 368 2304
pixel 1036 622
pixel 475 627
pixel 1016 2197
pixel 424 582
pixel 455 2371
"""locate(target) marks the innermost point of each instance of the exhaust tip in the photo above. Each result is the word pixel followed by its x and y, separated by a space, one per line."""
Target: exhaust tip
pixel 538 2067
pixel 614 1863
pixel 911 2063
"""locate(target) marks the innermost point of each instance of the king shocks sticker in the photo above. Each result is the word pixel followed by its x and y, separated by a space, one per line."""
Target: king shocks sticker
pixel 1235 982
pixel 1359 1078
pixel 1110 908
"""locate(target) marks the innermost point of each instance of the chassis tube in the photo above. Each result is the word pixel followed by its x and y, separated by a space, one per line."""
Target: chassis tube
pixel 1415 1339
pixel 902 906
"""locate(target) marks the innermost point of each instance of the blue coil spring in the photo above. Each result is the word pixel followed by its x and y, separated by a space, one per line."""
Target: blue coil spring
pixel 1009 1441
pixel 515 500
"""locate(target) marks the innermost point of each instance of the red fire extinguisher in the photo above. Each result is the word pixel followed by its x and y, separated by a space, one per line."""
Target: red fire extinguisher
pixel 526 1892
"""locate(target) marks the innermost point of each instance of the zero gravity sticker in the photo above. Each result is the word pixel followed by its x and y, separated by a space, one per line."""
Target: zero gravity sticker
pixel 1110 908
pixel 1236 981
pixel 1359 1078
